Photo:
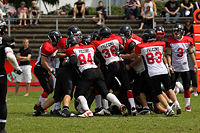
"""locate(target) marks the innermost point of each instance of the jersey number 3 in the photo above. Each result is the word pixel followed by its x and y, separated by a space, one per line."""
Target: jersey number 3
pixel 180 50
pixel 150 57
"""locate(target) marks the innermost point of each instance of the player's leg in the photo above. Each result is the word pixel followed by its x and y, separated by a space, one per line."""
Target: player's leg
pixel 28 77
pixel 46 82
pixel 124 79
pixel 166 82
pixel 3 106
pixel 19 79
pixel 186 85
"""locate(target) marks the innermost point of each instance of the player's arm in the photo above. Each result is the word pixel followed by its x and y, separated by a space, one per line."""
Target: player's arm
pixel 135 62
pixel 192 56
pixel 73 60
pixel 131 48
pixel 61 53
pixel 19 57
pixel 11 58
pixel 169 53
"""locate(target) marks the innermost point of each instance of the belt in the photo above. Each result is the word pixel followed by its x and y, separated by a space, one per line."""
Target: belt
pixel 115 62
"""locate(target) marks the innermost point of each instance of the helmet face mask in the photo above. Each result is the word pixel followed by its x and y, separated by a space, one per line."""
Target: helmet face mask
pixel 178 30
pixel 54 37
pixel 160 32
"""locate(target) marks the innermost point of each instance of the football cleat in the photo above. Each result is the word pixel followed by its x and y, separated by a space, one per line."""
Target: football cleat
pixel 145 111
pixel 56 112
pixel 188 108
pixel 80 109
pixel 36 107
pixel 37 113
pixel 172 105
pixel 46 111
pixel 169 113
pixel 86 114
pixel 195 94
pixel 103 112
pixel 133 112
pixel 123 110
pixel 178 110
pixel 3 131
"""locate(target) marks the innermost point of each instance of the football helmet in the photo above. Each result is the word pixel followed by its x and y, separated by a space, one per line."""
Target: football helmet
pixel 86 40
pixel 71 41
pixel 178 30
pixel 160 32
pixel 54 37
pixel 126 30
pixel 3 27
pixel 149 35
pixel 74 31
pixel 104 32
pixel 95 35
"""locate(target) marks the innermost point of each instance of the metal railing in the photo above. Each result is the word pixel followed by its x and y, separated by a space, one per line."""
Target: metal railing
pixel 57 21
pixel 164 18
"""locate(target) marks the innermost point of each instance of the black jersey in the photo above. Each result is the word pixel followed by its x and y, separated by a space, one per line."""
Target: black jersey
pixel 5 41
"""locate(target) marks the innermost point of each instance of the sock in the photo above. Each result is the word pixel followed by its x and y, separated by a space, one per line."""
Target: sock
pixel 129 94
pixel 168 108
pixel 176 103
pixel 105 103
pixel 44 97
pixel 83 103
pixel 112 98
pixel 57 106
pixel 187 102
pixel 98 102
pixel 146 107
pixel 39 103
pixel 65 107
pixel 170 101
pixel 2 125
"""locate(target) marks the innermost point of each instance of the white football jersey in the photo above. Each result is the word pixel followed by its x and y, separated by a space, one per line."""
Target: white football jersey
pixel 179 52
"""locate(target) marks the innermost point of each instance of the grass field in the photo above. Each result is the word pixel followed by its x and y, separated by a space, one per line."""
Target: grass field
pixel 20 119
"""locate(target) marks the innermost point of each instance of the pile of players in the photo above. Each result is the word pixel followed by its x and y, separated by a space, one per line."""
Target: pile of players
pixel 132 67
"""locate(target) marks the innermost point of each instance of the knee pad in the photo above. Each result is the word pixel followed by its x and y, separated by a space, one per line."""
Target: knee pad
pixel 44 95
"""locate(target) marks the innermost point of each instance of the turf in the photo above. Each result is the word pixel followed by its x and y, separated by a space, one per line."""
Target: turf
pixel 20 119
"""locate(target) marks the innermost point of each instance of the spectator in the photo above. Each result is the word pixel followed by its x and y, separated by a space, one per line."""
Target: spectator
pixel 79 9
pixel 34 12
pixel 152 7
pixel 24 56
pixel 147 18
pixel 101 13
pixel 1 13
pixel 172 8
pixel 197 5
pixel 188 28
pixel 6 12
pixel 22 12
pixel 133 7
pixel 186 9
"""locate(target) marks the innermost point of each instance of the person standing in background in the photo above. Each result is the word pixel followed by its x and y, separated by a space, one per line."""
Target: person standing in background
pixel 24 56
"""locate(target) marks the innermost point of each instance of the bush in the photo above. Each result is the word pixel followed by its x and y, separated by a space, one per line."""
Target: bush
pixel 160 5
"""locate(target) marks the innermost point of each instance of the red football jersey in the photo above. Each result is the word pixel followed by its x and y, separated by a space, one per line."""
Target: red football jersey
pixel 134 36
pixel 85 56
pixel 153 56
pixel 47 50
pixel 62 43
pixel 179 52
pixel 107 47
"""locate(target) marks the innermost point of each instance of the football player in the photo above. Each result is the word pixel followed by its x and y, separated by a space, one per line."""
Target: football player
pixel 91 75
pixel 108 46
pixel 177 49
pixel 152 52
pixel 6 45
pixel 137 64
pixel 42 68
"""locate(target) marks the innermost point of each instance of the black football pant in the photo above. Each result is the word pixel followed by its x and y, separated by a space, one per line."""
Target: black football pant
pixel 91 77
pixel 44 78
pixel 3 92
pixel 185 77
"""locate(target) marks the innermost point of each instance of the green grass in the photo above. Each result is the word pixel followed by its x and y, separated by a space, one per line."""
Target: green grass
pixel 20 119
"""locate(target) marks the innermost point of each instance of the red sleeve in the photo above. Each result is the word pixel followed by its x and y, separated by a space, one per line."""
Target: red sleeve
pixel 80 44
pixel 62 43
pixel 136 37
pixel 163 43
pixel 169 42
pixel 137 49
pixel 120 39
pixel 47 49
pixel 93 48
pixel 126 45
pixel 70 51
pixel 93 43
pixel 191 40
